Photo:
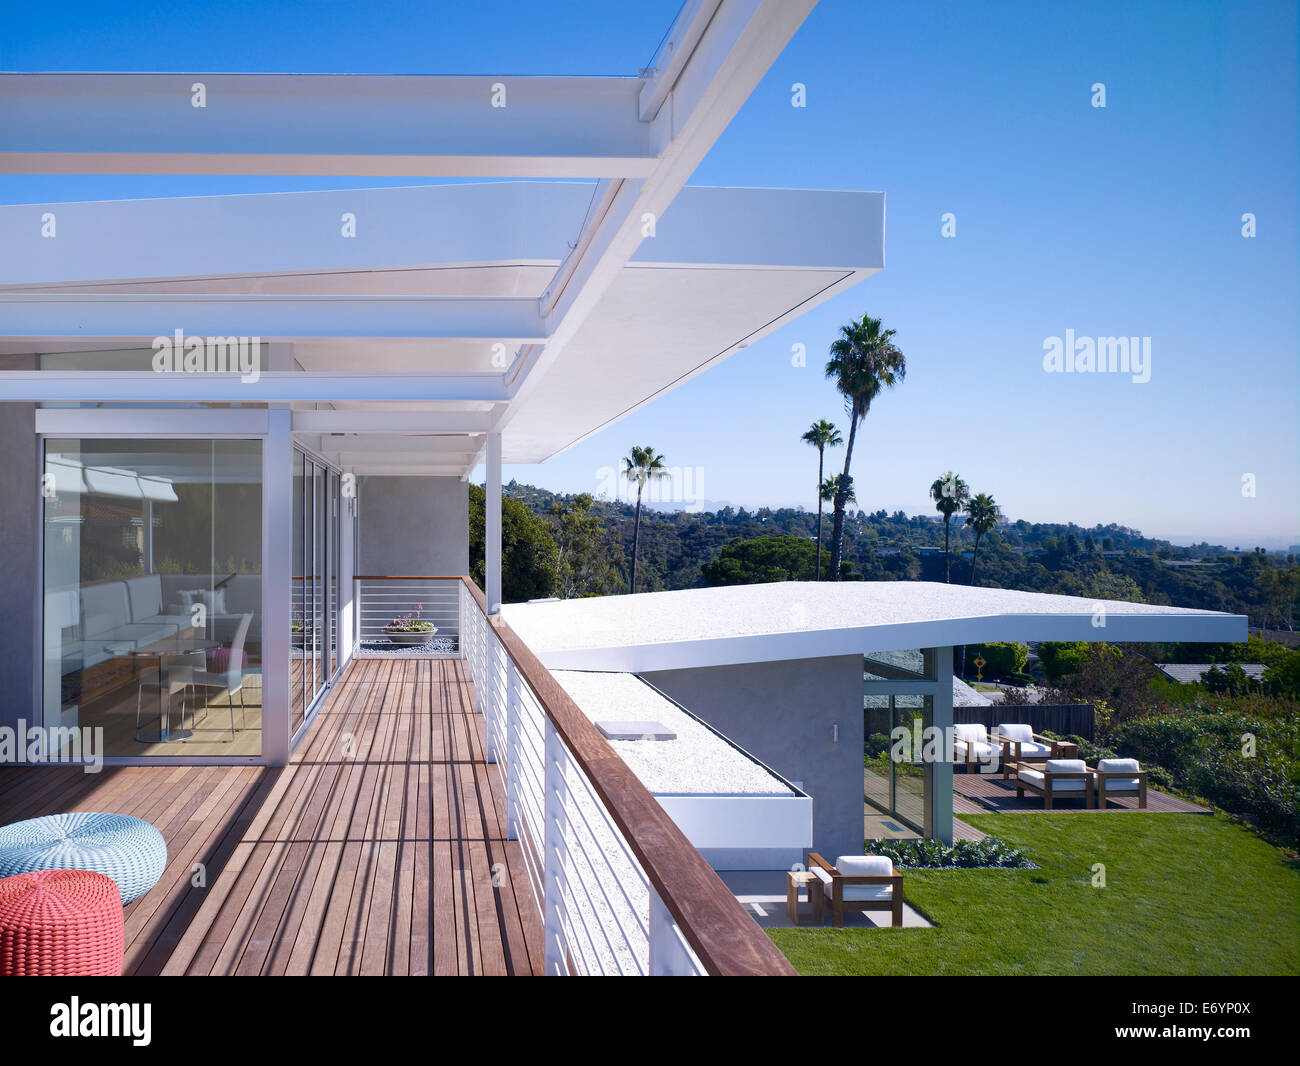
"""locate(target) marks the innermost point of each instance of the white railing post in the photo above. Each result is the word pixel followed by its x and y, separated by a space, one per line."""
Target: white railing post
pixel 513 751
pixel 553 849
pixel 670 955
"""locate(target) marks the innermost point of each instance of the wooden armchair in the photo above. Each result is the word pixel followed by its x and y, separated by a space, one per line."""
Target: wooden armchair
pixel 859 883
pixel 1119 777
pixel 1058 779
pixel 1020 744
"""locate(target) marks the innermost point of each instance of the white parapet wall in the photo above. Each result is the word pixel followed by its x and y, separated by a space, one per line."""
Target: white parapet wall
pixel 739 813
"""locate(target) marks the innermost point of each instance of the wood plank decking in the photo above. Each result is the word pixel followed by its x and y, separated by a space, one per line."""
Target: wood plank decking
pixel 380 850
pixel 979 793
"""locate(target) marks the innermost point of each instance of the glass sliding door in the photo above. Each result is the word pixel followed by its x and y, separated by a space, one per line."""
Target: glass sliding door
pixel 315 582
pixel 301 615
pixel 335 507
pixel 153 594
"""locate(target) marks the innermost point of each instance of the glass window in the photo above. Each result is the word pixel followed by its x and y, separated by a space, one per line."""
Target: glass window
pixel 153 594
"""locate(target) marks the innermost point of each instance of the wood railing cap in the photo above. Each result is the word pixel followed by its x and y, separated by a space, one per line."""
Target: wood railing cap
pixel 723 936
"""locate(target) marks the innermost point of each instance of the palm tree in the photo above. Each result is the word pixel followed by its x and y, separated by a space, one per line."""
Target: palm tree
pixel 640 466
pixel 950 494
pixel 863 361
pixel 981 515
pixel 821 435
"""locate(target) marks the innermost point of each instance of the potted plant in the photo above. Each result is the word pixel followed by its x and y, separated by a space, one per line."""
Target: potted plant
pixel 410 629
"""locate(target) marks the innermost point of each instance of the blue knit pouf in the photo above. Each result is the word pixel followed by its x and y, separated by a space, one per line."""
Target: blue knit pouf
pixel 129 850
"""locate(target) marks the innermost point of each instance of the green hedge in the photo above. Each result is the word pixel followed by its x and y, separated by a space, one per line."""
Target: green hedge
pixel 1203 753
pixel 989 853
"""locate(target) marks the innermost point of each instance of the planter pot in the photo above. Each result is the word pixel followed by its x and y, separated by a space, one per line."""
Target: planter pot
pixel 401 637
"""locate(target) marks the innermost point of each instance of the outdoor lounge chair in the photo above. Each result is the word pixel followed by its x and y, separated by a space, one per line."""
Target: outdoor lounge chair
pixel 859 883
pixel 1058 779
pixel 972 746
pixel 1119 777
pixel 1021 744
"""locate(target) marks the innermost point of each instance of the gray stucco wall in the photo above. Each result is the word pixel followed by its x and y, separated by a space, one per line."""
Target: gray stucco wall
pixel 19 551
pixel 784 713
pixel 413 525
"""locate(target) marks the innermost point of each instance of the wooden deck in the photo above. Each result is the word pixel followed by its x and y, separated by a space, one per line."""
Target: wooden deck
pixel 379 850
pixel 981 793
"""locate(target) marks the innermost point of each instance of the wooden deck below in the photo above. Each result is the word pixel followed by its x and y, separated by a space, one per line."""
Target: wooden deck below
pixel 981 793
pixel 379 850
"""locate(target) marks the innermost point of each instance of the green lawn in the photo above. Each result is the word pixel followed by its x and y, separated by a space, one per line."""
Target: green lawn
pixel 1186 894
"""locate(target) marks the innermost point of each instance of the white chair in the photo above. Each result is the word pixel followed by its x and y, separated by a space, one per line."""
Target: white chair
pixel 859 883
pixel 1021 744
pixel 1058 779
pixel 232 678
pixel 1119 777
pixel 173 675
pixel 972 745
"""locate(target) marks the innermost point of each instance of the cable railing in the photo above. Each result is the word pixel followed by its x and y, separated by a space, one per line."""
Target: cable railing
pixel 395 610
pixel 620 889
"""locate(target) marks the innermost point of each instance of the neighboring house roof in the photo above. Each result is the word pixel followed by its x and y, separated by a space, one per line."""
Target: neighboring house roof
pixel 1190 673
pixel 965 696
pixel 799 620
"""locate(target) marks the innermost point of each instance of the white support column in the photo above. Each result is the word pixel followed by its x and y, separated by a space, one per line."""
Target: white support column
pixel 277 573
pixel 492 525
pixel 938 781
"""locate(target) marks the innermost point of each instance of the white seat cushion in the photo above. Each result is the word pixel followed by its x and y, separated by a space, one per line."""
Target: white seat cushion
pixel 863 893
pixel 1037 778
pixel 1065 766
pixel 1016 731
pixel 970 733
pixel 1033 748
pixel 978 750
pixel 858 866
pixel 1119 784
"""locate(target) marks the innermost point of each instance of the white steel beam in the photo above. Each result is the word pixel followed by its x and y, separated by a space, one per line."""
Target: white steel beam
pixel 443 444
pixel 733 51
pixel 78 316
pixel 111 386
pixel 389 422
pixel 326 124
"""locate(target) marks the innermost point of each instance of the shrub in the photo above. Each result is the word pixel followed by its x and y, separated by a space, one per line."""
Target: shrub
pixel 989 853
pixel 1202 753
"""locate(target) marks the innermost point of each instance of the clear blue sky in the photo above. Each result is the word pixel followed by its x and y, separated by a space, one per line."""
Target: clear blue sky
pixel 1115 221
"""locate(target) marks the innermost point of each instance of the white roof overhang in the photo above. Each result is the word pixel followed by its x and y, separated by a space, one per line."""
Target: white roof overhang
pixel 735 624
pixel 462 309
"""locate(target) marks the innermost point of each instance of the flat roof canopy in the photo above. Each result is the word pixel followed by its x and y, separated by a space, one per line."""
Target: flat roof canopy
pixel 806 620
pixel 437 307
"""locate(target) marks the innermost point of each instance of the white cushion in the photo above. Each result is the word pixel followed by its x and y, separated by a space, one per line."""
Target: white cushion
pixel 972 732
pixel 1016 731
pixel 1130 765
pixel 1069 784
pixel 862 893
pixel 1033 748
pixel 859 866
pixel 863 865
pixel 979 752
pixel 1065 766
pixel 1119 784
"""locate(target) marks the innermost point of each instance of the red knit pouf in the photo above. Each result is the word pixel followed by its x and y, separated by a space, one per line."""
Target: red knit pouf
pixel 60 923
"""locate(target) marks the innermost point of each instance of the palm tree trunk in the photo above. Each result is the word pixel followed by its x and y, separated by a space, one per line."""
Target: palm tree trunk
pixel 821 459
pixel 975 555
pixel 947 559
pixel 636 538
pixel 841 498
